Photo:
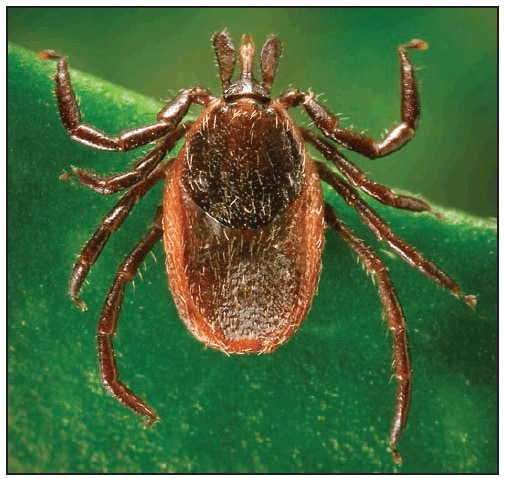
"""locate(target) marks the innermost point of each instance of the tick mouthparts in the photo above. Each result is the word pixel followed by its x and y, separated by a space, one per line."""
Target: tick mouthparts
pixel 246 56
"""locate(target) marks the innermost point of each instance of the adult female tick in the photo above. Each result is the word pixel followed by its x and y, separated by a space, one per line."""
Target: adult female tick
pixel 243 215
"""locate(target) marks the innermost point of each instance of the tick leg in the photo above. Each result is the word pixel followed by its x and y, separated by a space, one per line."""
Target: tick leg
pixel 110 223
pixel 115 183
pixel 107 324
pixel 168 118
pixel 382 232
pixel 359 180
pixel 395 321
pixel 327 122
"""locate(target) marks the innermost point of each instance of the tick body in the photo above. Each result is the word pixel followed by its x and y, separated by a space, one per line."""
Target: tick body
pixel 243 215
pixel 243 227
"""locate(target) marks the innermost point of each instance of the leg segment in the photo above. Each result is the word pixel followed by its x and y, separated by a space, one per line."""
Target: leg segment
pixel 168 118
pixel 359 180
pixel 382 232
pixel 110 223
pixel 107 324
pixel 115 183
pixel 327 122
pixel 395 321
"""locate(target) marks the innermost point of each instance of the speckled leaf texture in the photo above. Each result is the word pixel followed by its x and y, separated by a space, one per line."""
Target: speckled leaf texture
pixel 321 403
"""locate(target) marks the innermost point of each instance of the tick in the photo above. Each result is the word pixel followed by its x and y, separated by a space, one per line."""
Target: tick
pixel 243 215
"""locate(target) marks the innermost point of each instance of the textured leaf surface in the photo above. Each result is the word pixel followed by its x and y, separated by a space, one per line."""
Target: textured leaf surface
pixel 321 403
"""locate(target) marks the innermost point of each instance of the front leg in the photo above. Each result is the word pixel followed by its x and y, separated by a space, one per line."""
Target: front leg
pixel 168 118
pixel 327 122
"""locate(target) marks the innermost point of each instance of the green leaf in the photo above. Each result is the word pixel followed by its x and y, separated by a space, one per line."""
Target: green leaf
pixel 321 403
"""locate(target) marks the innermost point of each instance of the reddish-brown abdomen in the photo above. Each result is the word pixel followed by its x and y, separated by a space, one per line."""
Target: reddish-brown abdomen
pixel 244 287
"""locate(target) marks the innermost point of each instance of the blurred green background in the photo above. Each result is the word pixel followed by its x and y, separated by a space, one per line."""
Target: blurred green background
pixel 323 402
pixel 347 54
